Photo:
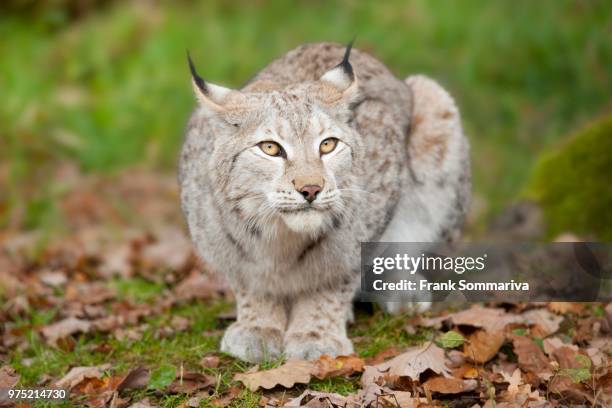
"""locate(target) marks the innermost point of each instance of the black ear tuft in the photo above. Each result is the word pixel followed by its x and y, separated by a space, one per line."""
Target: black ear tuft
pixel 345 64
pixel 198 79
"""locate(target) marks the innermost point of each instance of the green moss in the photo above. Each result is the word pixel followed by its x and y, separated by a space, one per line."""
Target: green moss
pixel 572 184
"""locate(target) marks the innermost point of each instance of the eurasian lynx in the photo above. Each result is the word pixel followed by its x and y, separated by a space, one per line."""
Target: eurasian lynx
pixel 282 180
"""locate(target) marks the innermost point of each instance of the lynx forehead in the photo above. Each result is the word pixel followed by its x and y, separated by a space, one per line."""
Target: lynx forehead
pixel 282 179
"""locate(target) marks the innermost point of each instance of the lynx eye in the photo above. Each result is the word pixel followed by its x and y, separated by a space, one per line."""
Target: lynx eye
pixel 270 148
pixel 328 145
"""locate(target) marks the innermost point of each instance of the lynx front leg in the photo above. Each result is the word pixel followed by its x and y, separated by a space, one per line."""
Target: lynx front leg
pixel 317 324
pixel 257 335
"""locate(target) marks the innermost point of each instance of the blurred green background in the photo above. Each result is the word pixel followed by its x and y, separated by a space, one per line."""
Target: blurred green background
pixel 104 84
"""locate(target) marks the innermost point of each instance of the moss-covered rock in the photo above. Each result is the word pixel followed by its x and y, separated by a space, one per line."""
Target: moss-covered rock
pixel 574 183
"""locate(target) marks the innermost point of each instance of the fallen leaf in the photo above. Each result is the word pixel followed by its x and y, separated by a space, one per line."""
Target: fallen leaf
pixel 173 250
pixel 135 380
pixel 145 403
pixel 210 361
pixel 8 377
pixel 450 340
pixel 200 286
pixel 52 278
pixel 483 345
pixel 449 385
pixel 317 399
pixel 530 357
pixel 98 391
pixel 490 319
pixel 227 397
pixel 375 396
pixel 327 366
pixel 544 319
pixel 552 343
pixel 411 364
pixel 89 293
pixel 574 369
pixel 117 261
pixel 65 328
pixel 566 307
pixel 291 373
pixel 180 323
pixel 190 382
pixel 78 374
pixel 382 356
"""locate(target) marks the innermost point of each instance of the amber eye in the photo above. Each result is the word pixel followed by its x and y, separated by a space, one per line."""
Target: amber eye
pixel 328 145
pixel 270 148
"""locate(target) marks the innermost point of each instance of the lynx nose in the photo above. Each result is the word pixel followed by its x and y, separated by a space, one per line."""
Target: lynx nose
pixel 309 187
pixel 310 192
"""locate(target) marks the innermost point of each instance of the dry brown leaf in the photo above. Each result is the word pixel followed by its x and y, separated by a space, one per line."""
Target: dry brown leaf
pixel 490 319
pixel 227 397
pixel 117 261
pixel 449 385
pixel 553 343
pixel 316 399
pixel 566 307
pixel 327 366
pixel 200 286
pixel 483 345
pixel 300 371
pixel 89 293
pixel 210 361
pixel 98 391
pixel 190 382
pixel 411 364
pixel 467 371
pixel 382 356
pixel 530 357
pixel 172 250
pixel 78 374
pixel 563 384
pixel 374 395
pixel 52 278
pixel 517 392
pixel 291 373
pixel 8 377
pixel 134 380
pixel 548 322
pixel 145 403
pixel 65 328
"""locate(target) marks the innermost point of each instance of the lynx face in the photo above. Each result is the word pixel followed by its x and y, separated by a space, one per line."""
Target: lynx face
pixel 285 156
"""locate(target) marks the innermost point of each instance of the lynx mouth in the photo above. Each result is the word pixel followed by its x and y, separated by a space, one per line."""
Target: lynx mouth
pixel 299 210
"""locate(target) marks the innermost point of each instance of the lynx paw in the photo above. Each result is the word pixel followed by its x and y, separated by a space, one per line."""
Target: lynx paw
pixel 252 343
pixel 311 345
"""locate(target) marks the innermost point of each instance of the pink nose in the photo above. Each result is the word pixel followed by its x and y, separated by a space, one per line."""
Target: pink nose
pixel 310 192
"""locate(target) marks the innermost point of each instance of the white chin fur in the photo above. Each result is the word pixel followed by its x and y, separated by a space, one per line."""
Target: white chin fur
pixel 308 222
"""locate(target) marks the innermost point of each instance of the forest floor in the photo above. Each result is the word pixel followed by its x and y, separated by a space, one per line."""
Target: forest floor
pixel 116 308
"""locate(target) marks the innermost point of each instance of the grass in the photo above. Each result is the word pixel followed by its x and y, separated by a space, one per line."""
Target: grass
pixel 112 89
pixel 37 361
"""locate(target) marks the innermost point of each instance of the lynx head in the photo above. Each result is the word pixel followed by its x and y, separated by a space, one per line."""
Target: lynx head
pixel 284 156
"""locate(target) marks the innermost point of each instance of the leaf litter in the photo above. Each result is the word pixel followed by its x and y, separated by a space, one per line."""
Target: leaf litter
pixel 530 354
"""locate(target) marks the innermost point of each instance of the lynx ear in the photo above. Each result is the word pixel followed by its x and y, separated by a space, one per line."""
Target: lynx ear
pixel 340 83
pixel 214 97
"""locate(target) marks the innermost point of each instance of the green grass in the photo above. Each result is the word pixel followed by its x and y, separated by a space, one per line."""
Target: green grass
pixel 36 361
pixel 112 89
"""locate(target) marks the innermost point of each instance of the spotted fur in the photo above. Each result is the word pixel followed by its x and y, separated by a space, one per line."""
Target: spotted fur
pixel 399 173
